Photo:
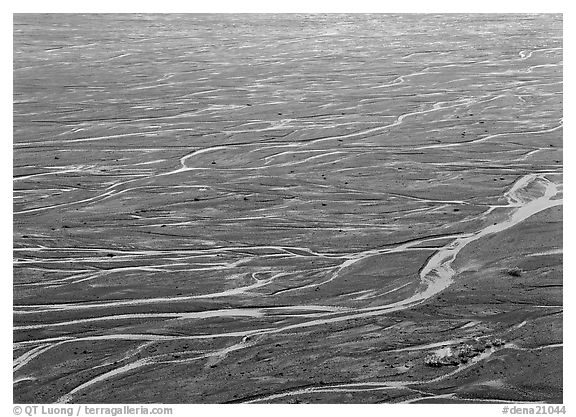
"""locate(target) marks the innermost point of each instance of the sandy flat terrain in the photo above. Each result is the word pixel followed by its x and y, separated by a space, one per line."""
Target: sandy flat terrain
pixel 284 208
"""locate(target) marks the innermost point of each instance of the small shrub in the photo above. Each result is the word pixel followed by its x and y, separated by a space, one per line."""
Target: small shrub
pixel 479 345
pixel 437 361
pixel 465 350
pixel 433 360
pixel 515 272
pixel 497 342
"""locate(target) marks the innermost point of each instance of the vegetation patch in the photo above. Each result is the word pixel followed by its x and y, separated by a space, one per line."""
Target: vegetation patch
pixel 454 356
pixel 515 272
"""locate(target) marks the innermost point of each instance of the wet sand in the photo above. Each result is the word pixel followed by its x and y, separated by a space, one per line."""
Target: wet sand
pixel 214 209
